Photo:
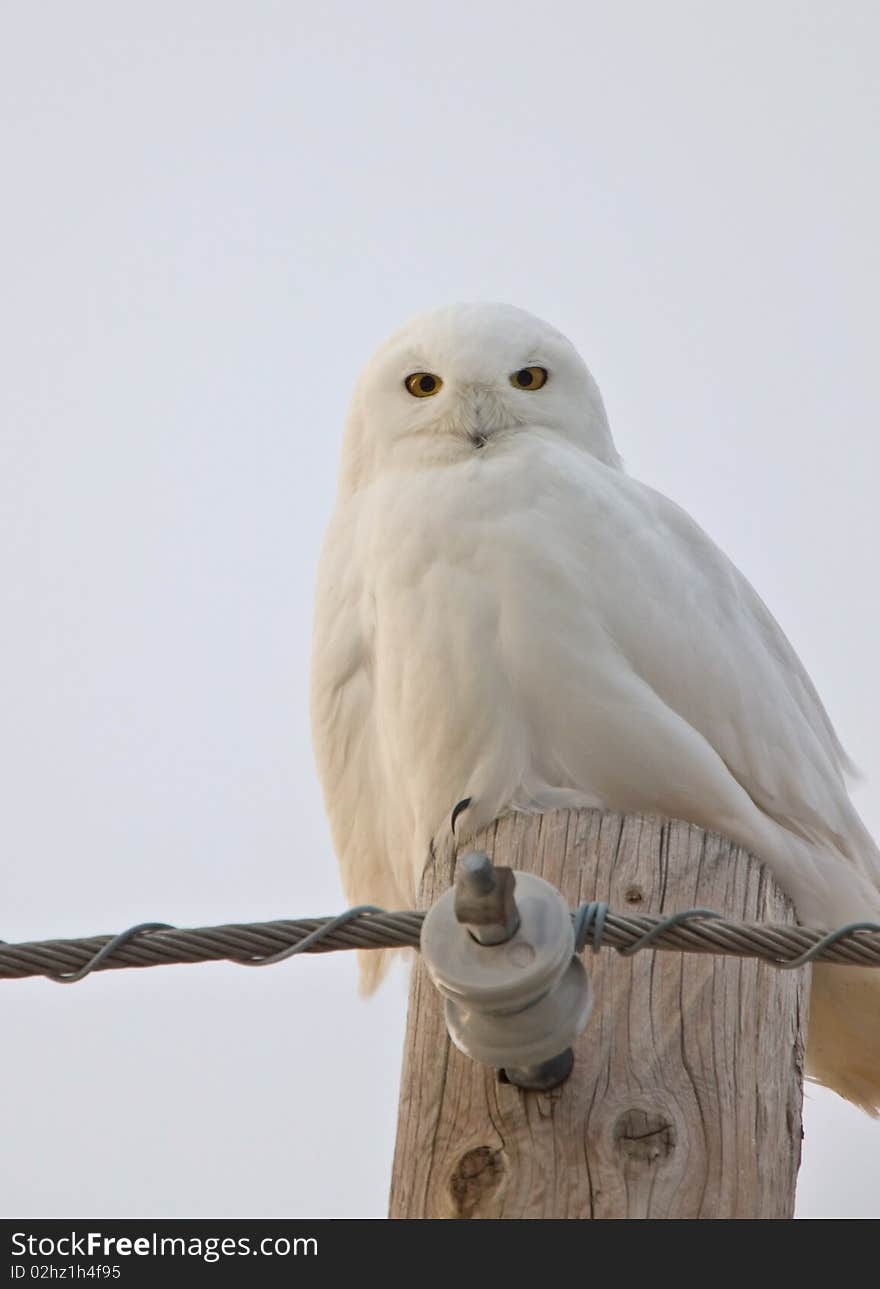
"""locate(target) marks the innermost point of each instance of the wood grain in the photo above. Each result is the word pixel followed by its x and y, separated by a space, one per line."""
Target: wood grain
pixel 685 1099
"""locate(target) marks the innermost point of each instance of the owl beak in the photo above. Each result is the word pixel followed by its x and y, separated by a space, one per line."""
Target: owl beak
pixel 480 412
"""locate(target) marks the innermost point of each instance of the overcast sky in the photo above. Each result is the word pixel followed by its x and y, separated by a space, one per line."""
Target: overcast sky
pixel 212 213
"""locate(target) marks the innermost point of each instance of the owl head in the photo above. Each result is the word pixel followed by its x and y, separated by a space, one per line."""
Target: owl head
pixel 466 379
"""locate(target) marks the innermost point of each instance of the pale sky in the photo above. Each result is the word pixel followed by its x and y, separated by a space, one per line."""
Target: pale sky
pixel 212 213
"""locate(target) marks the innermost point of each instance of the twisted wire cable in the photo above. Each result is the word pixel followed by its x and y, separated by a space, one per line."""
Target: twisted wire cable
pixel 260 944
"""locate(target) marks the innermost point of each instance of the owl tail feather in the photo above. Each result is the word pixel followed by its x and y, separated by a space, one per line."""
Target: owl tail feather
pixel 373 966
pixel 843 1037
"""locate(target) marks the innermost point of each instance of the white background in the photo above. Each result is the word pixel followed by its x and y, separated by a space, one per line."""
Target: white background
pixel 211 214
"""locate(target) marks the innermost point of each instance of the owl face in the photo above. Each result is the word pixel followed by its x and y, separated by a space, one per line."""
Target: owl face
pixel 471 379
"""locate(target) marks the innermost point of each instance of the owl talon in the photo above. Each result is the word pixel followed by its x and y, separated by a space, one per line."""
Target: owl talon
pixel 462 805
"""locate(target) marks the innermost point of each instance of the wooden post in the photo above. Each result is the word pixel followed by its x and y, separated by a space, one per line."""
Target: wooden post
pixel 685 1100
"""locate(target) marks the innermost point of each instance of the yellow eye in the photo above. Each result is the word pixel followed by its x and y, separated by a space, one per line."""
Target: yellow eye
pixel 529 378
pixel 422 384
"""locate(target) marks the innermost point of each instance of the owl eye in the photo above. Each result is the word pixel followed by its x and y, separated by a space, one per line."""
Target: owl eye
pixel 529 378
pixel 422 384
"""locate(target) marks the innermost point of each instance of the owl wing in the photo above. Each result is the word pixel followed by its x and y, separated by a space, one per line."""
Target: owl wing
pixel 343 719
pixel 693 629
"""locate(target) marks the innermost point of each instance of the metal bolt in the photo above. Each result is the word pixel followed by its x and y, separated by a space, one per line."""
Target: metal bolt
pixel 484 900
pixel 543 1076
pixel 477 873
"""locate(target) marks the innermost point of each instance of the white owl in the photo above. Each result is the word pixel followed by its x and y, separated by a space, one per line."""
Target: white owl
pixel 504 615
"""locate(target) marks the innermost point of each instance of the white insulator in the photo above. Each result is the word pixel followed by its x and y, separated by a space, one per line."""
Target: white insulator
pixel 517 1005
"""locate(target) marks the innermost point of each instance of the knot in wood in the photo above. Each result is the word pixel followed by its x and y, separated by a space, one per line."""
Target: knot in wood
pixel 476 1178
pixel 644 1136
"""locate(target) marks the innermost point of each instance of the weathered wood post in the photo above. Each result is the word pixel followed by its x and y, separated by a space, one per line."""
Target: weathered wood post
pixel 685 1100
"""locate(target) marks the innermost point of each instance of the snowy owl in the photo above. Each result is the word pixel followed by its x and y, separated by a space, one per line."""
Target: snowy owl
pixel 503 614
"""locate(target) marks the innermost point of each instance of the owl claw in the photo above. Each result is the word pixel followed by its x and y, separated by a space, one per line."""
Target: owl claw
pixel 462 805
